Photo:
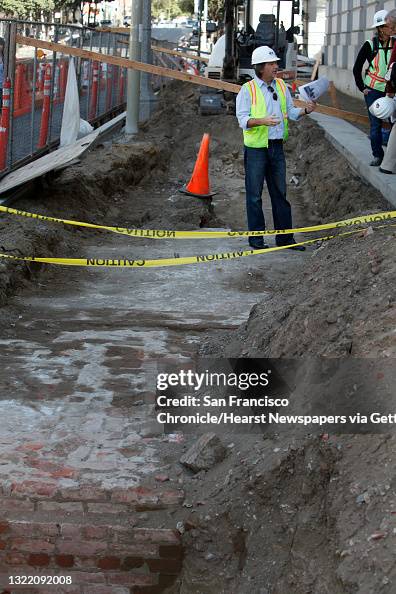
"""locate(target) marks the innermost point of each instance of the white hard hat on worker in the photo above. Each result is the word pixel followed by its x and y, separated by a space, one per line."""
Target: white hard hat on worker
pixel 379 18
pixel 264 54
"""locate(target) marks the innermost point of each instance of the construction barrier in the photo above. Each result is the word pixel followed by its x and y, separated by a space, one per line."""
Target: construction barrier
pixel 5 124
pixel 166 234
pixel 45 114
pixel 32 127
pixel 166 262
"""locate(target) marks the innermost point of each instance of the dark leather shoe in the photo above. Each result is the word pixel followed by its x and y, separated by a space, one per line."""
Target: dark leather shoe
pixel 375 162
pixel 259 247
pixel 293 246
pixel 385 171
pixel 298 248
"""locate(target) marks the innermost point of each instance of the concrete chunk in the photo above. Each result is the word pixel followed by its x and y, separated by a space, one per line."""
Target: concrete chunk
pixel 205 453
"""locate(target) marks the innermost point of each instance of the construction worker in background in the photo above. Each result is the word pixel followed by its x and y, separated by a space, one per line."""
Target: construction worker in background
pixel 376 52
pixel 388 164
pixel 263 107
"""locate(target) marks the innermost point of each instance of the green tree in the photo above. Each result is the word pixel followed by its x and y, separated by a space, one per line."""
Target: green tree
pixel 23 8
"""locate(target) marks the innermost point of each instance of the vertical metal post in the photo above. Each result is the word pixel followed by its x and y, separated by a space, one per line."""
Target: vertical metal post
pixel 9 72
pixel 305 20
pixel 147 99
pixel 99 77
pixel 56 34
pixel 133 89
pixel 33 116
pixel 90 72
pixel 277 25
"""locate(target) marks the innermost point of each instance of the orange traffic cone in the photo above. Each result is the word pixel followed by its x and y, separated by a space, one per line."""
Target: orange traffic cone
pixel 199 183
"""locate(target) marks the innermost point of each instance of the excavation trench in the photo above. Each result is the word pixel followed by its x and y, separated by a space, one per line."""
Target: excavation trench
pixel 81 348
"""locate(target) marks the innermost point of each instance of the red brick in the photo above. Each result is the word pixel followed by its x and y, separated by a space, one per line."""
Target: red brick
pixel 60 508
pixel 64 472
pixel 2 545
pixel 32 446
pixel 132 563
pixel 86 493
pixel 35 488
pixel 171 551
pixel 156 535
pixel 11 504
pixel 165 566
pixel 107 508
pixel 38 560
pixel 100 532
pixel 147 590
pixel 15 559
pixel 81 548
pixel 64 560
pixel 105 590
pixel 135 495
pixel 84 577
pixel 4 526
pixel 32 546
pixel 71 531
pixel 32 529
pixel 127 579
pixel 166 580
pixel 137 550
pixel 109 563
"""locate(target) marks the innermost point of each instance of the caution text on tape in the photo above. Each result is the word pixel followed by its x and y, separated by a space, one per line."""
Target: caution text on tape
pixel 164 234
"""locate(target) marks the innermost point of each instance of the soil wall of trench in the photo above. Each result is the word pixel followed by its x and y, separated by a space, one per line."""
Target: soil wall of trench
pixel 293 514
pixel 283 514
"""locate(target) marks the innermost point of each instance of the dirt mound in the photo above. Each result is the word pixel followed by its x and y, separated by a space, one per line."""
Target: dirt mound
pixel 341 304
pixel 302 516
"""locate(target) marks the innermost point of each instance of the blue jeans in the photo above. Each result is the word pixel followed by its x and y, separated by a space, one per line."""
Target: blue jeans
pixel 375 124
pixel 269 165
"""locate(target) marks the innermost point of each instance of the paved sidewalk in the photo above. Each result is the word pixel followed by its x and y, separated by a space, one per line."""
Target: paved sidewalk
pixel 355 146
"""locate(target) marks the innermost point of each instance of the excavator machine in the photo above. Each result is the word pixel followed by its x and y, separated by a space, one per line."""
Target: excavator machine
pixel 230 59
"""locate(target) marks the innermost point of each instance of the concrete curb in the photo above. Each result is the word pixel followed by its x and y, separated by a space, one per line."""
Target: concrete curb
pixel 355 146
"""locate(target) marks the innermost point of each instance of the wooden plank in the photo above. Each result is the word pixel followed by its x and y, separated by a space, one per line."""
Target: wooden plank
pixel 176 74
pixel 349 116
pixel 315 69
pixel 125 63
pixel 333 95
pixel 165 50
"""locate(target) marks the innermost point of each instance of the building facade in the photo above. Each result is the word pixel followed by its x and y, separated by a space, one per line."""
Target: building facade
pixel 348 25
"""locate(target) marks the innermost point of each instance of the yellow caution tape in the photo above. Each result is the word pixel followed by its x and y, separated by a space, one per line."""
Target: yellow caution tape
pixel 163 234
pixel 129 263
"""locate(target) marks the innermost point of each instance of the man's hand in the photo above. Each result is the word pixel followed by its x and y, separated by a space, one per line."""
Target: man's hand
pixel 270 121
pixel 310 107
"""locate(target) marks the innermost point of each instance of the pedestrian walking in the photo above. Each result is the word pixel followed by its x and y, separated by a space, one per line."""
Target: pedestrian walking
pixel 376 52
pixel 264 107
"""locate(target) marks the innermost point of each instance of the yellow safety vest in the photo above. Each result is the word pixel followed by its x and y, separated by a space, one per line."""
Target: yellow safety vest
pixel 375 75
pixel 257 137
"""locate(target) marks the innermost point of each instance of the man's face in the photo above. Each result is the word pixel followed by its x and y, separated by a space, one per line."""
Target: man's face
pixel 270 70
pixel 390 28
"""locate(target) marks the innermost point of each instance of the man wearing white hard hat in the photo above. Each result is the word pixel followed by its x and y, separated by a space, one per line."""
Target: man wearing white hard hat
pixel 388 164
pixel 263 108
pixel 376 52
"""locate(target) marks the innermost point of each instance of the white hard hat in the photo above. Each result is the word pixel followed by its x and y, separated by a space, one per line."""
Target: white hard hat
pixel 379 18
pixel 383 108
pixel 263 54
